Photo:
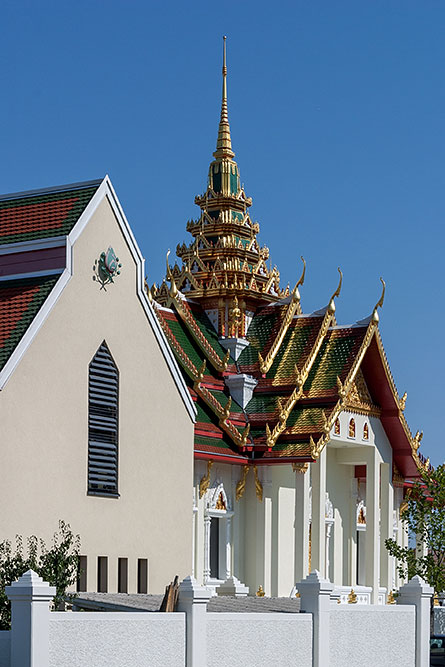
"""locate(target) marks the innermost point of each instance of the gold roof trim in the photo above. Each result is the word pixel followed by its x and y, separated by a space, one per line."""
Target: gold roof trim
pixel 344 388
pixel 294 306
pixel 186 316
pixel 328 319
pixel 223 413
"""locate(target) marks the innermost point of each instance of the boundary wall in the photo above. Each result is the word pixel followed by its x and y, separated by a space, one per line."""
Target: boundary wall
pixel 323 634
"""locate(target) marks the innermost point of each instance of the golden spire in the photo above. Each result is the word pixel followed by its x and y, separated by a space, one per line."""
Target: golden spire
pixel 224 142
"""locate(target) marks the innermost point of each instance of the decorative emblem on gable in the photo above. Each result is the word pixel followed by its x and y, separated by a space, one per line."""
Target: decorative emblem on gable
pixel 106 268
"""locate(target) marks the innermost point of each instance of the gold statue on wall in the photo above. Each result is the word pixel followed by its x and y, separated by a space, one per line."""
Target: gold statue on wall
pixel 234 318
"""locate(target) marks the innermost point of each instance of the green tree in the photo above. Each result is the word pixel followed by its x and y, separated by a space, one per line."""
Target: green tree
pixel 423 515
pixel 58 565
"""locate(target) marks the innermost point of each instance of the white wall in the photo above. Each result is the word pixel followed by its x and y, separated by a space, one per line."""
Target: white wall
pixel 102 639
pixel 253 640
pixel 372 635
pixel 4 648
pixel 44 427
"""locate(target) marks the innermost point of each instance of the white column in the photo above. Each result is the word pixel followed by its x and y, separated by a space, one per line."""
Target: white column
pixel 353 538
pixel 315 593
pixel 372 524
pixel 30 597
pixel 206 573
pixel 386 525
pixel 328 539
pixel 228 547
pixel 301 525
pixel 418 593
pixel 194 540
pixel 199 532
pixel 318 534
pixel 193 600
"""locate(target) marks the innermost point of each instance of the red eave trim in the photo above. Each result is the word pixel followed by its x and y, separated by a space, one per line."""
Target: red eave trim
pixel 223 458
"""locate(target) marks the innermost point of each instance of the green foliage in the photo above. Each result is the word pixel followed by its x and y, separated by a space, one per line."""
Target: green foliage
pixel 424 515
pixel 58 565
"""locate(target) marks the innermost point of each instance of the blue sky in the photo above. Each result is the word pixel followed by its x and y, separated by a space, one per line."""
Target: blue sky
pixel 337 118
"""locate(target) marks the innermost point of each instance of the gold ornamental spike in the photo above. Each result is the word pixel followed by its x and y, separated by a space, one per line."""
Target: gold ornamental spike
pixel 224 142
pixel 246 434
pixel 202 370
pixel 173 288
pixel 379 304
pixel 228 408
pixel 331 306
pixel 402 402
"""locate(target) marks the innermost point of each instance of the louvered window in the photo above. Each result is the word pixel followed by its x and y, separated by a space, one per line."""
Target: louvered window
pixel 103 412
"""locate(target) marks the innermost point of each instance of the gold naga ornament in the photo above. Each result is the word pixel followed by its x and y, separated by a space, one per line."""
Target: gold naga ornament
pixel 205 480
pixel 241 486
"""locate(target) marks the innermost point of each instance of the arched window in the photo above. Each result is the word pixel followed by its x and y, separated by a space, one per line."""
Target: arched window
pixel 366 432
pixel 351 430
pixel 103 431
pixel 337 427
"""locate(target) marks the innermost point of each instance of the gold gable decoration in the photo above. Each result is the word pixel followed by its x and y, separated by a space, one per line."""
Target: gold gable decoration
pixel 358 398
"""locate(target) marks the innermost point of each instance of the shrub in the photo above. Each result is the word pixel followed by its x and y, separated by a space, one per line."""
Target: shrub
pixel 58 565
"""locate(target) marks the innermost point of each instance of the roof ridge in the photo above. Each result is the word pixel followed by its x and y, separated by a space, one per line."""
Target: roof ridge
pixel 81 185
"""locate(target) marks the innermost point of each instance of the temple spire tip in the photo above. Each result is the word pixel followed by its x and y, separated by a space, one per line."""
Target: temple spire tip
pixel 224 142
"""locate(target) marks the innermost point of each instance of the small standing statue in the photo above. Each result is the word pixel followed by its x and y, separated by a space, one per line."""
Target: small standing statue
pixel 234 318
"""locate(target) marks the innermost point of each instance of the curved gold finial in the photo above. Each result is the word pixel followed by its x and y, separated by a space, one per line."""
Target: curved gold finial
pixel 295 291
pixel 379 304
pixel 331 306
pixel 168 274
pixel 301 281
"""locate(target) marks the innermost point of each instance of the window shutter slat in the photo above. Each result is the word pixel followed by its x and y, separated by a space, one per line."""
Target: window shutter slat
pixel 103 431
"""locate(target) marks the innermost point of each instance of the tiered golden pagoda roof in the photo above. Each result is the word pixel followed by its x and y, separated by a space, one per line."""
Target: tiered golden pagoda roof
pixel 224 260
pixel 305 369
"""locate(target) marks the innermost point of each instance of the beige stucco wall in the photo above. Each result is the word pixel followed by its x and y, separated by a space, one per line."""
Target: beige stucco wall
pixel 44 427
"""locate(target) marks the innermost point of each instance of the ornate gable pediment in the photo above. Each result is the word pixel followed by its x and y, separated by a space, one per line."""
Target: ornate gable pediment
pixel 359 399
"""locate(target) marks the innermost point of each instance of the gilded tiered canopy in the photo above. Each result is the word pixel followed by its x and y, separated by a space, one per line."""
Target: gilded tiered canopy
pixel 268 380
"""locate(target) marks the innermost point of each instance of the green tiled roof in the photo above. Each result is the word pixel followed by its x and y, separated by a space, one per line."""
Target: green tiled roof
pixel 292 349
pixel 336 350
pixel 184 339
pixel 209 332
pixel 259 333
